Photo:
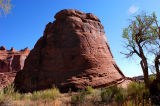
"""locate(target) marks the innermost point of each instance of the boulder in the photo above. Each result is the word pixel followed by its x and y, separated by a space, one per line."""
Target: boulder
pixel 72 53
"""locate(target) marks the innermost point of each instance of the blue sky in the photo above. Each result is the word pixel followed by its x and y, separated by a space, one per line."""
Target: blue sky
pixel 27 20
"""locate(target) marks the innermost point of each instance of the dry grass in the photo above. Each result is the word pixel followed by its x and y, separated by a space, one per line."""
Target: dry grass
pixel 113 96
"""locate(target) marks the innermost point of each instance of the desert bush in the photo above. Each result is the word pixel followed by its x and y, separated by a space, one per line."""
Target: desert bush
pixel 8 93
pixel 35 95
pixel 9 89
pixel 106 95
pixel 46 94
pixel 79 98
pixel 2 97
pixel 120 96
pixel 17 96
pixel 115 90
pixel 95 97
pixel 153 77
pixel 89 90
pixel 113 93
pixel 138 93
pixel 50 94
pixel 135 89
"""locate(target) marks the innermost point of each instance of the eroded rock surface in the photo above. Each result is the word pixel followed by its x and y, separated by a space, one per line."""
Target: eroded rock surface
pixel 72 53
pixel 11 61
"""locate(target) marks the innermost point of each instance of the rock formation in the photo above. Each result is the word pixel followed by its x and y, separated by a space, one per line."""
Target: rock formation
pixel 11 61
pixel 6 78
pixel 72 53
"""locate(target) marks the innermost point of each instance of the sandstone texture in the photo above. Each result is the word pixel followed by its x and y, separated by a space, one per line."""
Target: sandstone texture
pixel 72 53
pixel 6 78
pixel 11 61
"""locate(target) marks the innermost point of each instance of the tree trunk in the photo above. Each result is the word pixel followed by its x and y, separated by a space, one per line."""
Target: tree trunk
pixel 143 62
pixel 157 67
pixel 145 73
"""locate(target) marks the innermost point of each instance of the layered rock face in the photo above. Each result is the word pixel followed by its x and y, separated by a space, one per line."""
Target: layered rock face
pixel 11 61
pixel 72 53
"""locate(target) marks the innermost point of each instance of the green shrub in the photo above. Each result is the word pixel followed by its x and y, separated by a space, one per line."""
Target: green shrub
pixel 89 89
pixel 35 95
pixel 46 94
pixel 17 96
pixel 146 94
pixel 120 96
pixel 80 98
pixel 96 96
pixel 138 92
pixel 2 96
pixel 50 94
pixel 9 89
pixel 135 89
pixel 113 92
pixel 152 78
pixel 106 95
pixel 9 93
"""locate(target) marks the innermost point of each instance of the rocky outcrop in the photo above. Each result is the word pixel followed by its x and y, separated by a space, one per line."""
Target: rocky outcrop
pixel 11 61
pixel 6 78
pixel 72 53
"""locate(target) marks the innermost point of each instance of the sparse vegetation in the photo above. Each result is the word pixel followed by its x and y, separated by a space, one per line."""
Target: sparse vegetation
pixel 47 94
pixel 135 94
pixel 138 93
pixel 114 93
pixel 89 89
pixel 79 98
pixel 106 95
pixel 120 96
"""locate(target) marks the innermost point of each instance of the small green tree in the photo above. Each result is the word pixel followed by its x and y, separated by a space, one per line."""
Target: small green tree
pixel 141 37
pixel 5 6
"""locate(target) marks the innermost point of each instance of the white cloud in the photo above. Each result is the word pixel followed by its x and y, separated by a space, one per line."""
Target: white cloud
pixel 133 9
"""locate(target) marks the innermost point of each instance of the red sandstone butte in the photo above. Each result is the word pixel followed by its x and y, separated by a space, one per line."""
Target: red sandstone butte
pixel 72 53
pixel 11 61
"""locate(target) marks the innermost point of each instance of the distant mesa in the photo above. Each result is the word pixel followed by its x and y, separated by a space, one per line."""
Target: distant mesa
pixel 72 53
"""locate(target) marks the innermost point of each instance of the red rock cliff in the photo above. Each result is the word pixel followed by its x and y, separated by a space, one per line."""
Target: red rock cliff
pixel 72 53
pixel 11 61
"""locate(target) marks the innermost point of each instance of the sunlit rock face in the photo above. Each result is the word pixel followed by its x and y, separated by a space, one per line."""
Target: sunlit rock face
pixel 11 61
pixel 72 53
